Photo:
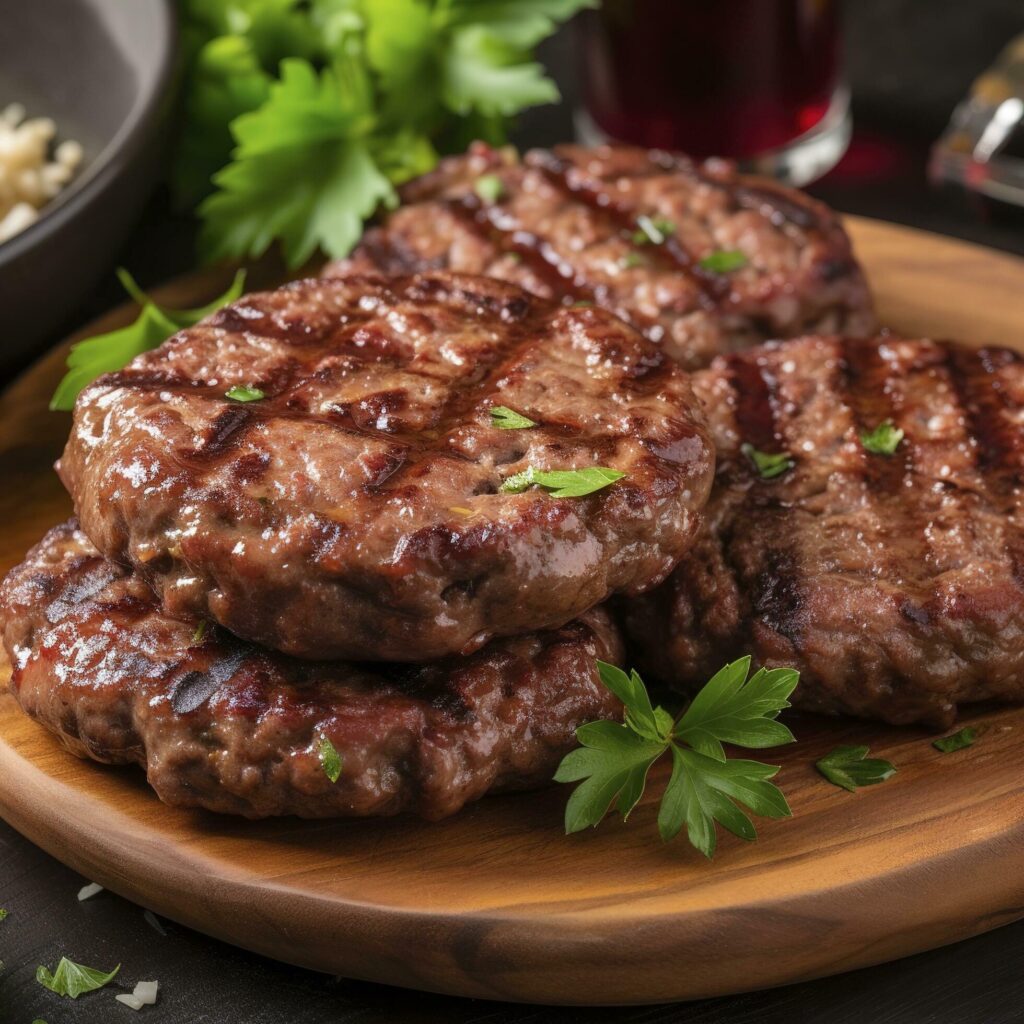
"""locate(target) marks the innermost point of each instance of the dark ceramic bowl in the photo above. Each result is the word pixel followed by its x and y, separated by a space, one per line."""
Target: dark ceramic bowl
pixel 103 70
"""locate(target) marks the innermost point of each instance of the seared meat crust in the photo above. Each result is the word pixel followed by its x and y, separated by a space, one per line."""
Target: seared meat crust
pixel 895 583
pixel 223 725
pixel 355 511
pixel 563 228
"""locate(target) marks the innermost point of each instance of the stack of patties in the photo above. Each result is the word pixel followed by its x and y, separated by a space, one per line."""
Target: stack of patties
pixel 341 544
pixel 345 547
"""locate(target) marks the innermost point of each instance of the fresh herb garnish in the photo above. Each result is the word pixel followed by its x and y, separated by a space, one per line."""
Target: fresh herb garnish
pixel 769 465
pixel 306 116
pixel 583 304
pixel 957 741
pixel 71 979
pixel 614 758
pixel 883 440
pixel 330 759
pixel 242 393
pixel 3 914
pixel 851 768
pixel 631 261
pixel 199 632
pixel 563 483
pixel 652 230
pixel 489 188
pixel 722 261
pixel 505 418
pixel 105 353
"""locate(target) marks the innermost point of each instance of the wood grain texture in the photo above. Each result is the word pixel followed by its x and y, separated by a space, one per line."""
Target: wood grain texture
pixel 497 903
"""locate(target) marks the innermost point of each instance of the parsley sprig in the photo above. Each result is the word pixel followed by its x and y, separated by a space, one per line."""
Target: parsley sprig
pixel 851 768
pixel 705 786
pixel 303 116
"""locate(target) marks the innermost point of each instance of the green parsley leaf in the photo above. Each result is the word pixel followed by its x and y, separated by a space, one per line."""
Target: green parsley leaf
pixel 105 353
pixel 242 393
pixel 767 464
pixel 563 483
pixel 722 261
pixel 3 913
pixel 883 440
pixel 614 760
pixel 631 261
pixel 330 759
pixel 303 171
pixel 489 188
pixel 957 741
pixel 851 768
pixel 731 709
pixel 71 979
pixel 505 418
pixel 653 230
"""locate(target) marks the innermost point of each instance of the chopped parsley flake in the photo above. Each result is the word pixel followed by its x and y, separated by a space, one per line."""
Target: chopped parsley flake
pixel 722 261
pixel 883 440
pixel 563 483
pixel 505 418
pixel 330 759
pixel 958 741
pixel 769 465
pixel 489 188
pixel 851 768
pixel 241 393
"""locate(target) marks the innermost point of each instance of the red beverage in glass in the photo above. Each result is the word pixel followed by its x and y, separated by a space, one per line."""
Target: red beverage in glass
pixel 732 78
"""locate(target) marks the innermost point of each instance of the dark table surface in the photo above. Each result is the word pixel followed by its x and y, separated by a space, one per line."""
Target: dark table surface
pixel 909 61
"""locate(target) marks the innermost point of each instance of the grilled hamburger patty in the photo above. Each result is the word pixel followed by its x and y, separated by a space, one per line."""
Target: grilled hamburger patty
pixel 562 225
pixel 355 510
pixel 224 725
pixel 895 583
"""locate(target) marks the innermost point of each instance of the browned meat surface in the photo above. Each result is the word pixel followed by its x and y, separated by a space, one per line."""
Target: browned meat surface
pixel 562 225
pixel 230 727
pixel 895 583
pixel 355 510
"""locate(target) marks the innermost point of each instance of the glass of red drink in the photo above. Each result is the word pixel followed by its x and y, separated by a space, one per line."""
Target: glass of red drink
pixel 759 81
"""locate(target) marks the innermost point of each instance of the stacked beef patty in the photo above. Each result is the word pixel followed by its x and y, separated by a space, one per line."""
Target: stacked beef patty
pixel 701 259
pixel 342 469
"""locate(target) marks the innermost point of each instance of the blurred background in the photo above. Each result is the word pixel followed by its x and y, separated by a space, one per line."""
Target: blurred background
pixel 905 63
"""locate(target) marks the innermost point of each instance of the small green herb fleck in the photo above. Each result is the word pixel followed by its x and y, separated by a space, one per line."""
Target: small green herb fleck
pixel 653 230
pixel 614 760
pixel 563 483
pixel 583 304
pixel 71 979
pixel 851 768
pixel 958 741
pixel 199 633
pixel 769 465
pixel 631 261
pixel 241 393
pixel 489 188
pixel 505 418
pixel 3 914
pixel 722 261
pixel 883 440
pixel 330 759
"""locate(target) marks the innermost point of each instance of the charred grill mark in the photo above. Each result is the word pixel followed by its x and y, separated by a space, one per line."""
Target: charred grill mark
pixel 999 451
pixel 540 258
pixel 999 447
pixel 711 288
pixel 755 405
pixel 776 592
pixel 225 433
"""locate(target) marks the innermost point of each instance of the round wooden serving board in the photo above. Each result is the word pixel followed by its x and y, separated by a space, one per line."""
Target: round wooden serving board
pixel 497 902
